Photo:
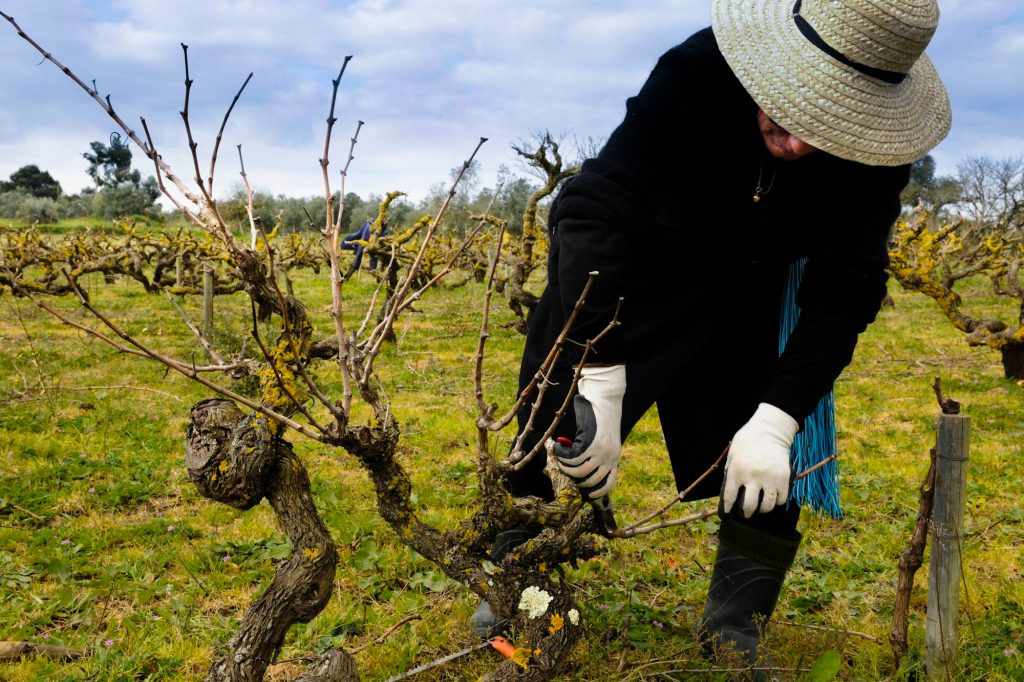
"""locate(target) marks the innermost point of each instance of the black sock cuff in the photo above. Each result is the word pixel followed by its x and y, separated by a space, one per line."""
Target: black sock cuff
pixel 768 549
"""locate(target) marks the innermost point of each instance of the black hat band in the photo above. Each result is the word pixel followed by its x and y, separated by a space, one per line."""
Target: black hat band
pixel 894 77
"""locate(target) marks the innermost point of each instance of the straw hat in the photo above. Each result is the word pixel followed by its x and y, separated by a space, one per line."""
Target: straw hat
pixel 847 76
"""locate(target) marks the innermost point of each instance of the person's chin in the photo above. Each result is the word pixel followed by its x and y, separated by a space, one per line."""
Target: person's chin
pixel 782 154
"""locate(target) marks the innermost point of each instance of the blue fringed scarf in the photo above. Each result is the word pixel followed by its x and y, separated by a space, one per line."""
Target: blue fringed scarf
pixel 817 440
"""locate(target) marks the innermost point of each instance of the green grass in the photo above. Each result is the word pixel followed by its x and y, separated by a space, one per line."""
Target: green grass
pixel 104 225
pixel 67 225
pixel 104 544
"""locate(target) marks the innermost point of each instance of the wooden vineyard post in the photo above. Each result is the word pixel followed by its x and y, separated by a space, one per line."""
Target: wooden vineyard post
pixel 289 286
pixel 942 630
pixel 207 300
pixel 179 270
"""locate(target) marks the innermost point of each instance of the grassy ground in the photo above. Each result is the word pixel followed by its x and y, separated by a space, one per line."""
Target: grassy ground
pixel 77 224
pixel 105 546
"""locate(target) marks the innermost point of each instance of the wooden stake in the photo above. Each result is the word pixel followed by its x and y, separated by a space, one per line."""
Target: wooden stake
pixel 942 630
pixel 207 300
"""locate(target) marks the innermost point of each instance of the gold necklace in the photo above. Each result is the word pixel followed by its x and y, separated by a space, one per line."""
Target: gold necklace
pixel 760 191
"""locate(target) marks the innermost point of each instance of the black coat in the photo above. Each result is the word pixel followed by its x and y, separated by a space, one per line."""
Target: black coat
pixel 665 214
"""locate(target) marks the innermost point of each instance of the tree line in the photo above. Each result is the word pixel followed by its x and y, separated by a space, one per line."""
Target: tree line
pixel 33 195
pixel 985 191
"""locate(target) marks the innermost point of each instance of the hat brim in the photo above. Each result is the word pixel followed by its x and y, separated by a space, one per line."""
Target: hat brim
pixel 822 101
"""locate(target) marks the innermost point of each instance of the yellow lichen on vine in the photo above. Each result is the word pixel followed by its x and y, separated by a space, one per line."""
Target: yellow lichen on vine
pixel 557 623
pixel 223 466
pixel 916 254
pixel 564 496
pixel 311 553
pixel 468 537
pixel 410 232
pixel 279 384
pixel 522 656
pixel 382 211
pixel 260 243
pixel 933 260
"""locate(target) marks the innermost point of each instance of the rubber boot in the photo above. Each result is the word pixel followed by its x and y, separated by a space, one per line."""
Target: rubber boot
pixel 749 570
pixel 483 621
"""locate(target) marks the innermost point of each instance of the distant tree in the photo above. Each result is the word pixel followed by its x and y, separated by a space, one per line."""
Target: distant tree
pixel 31 180
pixel 542 158
pixel 400 212
pixel 588 147
pixel 470 180
pixel 934 192
pixel 513 200
pixel 10 202
pixel 234 210
pixel 122 190
pixel 356 211
pixel 993 193
pixel 111 165
pixel 76 205
pixel 124 199
pixel 299 215
pixel 37 210
pixel 296 214
pixel 462 204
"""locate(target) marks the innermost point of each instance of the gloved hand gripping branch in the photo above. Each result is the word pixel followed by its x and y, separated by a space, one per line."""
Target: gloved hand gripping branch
pixel 592 459
pixel 757 471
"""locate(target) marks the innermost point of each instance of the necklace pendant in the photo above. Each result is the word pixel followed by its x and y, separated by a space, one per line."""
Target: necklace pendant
pixel 757 198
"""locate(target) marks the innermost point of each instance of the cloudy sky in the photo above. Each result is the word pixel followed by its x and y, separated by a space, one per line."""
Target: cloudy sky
pixel 429 77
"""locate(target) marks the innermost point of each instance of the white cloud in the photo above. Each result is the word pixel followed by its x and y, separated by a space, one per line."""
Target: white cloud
pixel 121 41
pixel 428 78
pixel 979 133
pixel 1011 45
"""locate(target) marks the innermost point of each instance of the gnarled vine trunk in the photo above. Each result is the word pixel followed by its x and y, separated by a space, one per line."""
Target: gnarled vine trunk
pixel 238 460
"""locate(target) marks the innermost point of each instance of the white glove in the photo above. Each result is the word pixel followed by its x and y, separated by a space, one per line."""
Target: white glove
pixel 593 459
pixel 758 462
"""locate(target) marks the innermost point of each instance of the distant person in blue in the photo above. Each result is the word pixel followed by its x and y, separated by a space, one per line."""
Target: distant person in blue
pixel 741 210
pixel 349 243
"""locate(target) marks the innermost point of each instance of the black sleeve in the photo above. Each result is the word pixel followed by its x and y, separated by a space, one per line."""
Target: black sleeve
pixel 600 211
pixel 842 289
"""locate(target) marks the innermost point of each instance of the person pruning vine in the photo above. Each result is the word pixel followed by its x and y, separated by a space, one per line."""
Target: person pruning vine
pixel 741 211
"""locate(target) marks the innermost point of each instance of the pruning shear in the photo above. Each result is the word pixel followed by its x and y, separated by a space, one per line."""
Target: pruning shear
pixel 603 513
pixel 498 643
